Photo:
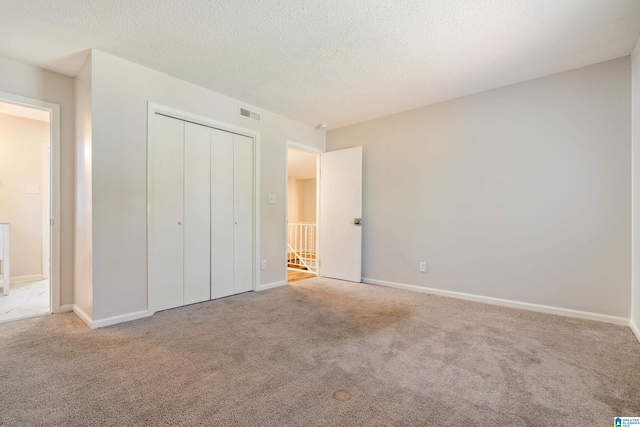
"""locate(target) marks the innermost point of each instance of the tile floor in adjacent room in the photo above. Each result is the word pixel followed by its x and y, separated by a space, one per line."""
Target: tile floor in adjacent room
pixel 25 300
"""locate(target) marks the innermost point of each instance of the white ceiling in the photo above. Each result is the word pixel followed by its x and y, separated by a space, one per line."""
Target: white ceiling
pixel 25 112
pixel 301 164
pixel 332 61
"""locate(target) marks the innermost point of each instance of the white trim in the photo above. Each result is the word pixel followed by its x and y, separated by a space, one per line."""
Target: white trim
pixel 26 279
pixel 504 302
pixel 66 308
pixel 272 285
pixel 46 208
pixel 636 329
pixel 81 314
pixel 101 323
pixel 304 147
pixel 152 109
pixel 94 324
pixel 54 129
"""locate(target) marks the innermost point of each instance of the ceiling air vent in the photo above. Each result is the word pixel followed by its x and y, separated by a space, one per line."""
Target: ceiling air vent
pixel 249 114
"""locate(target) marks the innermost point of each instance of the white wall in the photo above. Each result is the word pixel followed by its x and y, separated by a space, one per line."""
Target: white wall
pixel 83 271
pixel 120 93
pixel 521 193
pixel 21 164
pixel 33 82
pixel 635 122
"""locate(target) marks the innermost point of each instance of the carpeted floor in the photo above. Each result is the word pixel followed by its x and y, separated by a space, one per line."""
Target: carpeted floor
pixel 321 353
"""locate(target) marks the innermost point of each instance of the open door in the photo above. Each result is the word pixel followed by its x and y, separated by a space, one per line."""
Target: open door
pixel 341 214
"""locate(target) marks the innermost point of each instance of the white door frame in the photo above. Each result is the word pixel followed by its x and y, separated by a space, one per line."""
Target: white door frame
pixel 317 151
pixel 152 110
pixel 46 208
pixel 54 182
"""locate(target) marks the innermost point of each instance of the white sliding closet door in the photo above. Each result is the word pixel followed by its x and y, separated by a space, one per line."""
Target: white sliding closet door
pixel 197 205
pixel 222 176
pixel 166 246
pixel 242 213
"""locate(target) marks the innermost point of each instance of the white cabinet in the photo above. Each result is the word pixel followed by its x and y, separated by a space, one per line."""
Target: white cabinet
pixel 4 257
pixel 200 213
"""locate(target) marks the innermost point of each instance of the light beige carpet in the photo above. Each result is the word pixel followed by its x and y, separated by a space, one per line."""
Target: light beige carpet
pixel 321 353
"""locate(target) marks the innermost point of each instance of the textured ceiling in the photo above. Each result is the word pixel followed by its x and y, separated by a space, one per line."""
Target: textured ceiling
pixel 332 61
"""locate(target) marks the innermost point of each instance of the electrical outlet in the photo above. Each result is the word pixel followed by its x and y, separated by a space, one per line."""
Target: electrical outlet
pixel 272 199
pixel 423 267
pixel 264 264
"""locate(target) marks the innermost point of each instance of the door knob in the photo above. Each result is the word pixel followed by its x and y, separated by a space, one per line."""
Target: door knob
pixel 179 222
pixel 357 221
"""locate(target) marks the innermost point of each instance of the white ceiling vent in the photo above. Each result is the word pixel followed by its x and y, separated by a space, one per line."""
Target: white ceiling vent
pixel 249 114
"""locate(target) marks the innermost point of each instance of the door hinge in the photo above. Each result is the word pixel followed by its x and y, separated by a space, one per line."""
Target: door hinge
pixel 51 222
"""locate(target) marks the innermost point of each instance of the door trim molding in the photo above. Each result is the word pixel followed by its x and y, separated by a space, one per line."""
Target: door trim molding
pixel 154 108
pixel 54 213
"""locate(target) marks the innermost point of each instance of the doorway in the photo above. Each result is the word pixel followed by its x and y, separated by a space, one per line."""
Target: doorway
pixel 25 211
pixel 302 253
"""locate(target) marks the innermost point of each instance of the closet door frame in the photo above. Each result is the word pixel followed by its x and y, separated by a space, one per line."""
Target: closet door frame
pixel 152 110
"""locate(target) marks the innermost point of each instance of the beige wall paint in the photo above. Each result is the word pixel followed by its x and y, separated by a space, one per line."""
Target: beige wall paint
pixel 120 92
pixel 301 200
pixel 521 193
pixel 21 164
pixel 635 107
pixel 33 82
pixel 308 202
pixel 293 204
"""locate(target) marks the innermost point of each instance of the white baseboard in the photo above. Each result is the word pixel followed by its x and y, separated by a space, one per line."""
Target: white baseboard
pixel 66 308
pixel 271 285
pixel 506 303
pixel 101 323
pixel 636 329
pixel 81 314
pixel 25 279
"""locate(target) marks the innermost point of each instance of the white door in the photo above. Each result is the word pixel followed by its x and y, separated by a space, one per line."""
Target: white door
pixel 341 214
pixel 197 218
pixel 231 214
pixel 242 214
pixel 221 214
pixel 201 221
pixel 166 244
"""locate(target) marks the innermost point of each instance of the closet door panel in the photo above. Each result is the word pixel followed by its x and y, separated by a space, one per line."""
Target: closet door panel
pixel 243 213
pixel 166 267
pixel 197 205
pixel 222 241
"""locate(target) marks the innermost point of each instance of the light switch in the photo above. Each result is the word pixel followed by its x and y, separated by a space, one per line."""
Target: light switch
pixel 33 189
pixel 272 199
